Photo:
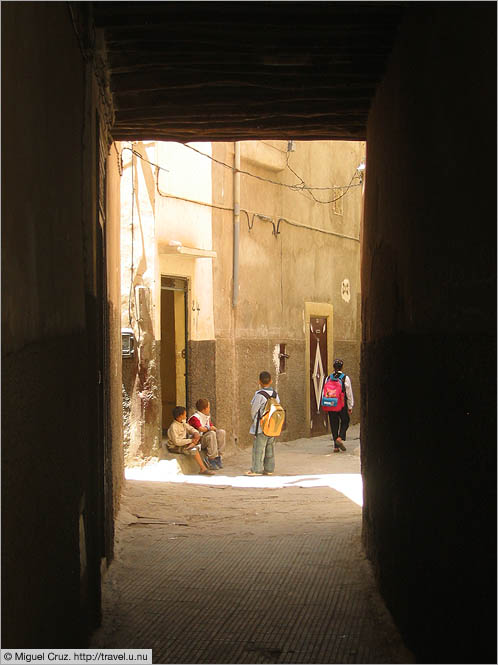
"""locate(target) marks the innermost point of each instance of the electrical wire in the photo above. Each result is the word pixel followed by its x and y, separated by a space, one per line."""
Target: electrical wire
pixel 144 159
pixel 182 198
pixel 355 175
pixel 297 187
pixel 250 221
pixel 358 184
pixel 274 147
pixel 302 184
pixel 313 228
pixel 282 277
pixel 132 234
pixel 119 160
pixel 300 187
pixel 291 222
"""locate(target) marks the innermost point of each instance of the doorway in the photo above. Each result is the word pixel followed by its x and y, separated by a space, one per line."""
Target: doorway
pixel 318 372
pixel 319 328
pixel 174 294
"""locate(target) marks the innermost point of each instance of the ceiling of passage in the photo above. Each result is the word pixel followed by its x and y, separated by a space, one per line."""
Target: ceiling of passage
pixel 187 71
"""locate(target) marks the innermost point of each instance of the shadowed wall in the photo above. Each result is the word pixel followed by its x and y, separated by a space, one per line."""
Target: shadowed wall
pixel 429 360
pixel 59 493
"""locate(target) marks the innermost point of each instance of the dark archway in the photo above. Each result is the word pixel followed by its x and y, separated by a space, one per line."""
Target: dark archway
pixel 418 82
pixel 232 71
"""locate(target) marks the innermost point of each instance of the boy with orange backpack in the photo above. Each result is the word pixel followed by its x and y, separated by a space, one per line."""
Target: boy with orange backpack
pixel 338 401
pixel 267 421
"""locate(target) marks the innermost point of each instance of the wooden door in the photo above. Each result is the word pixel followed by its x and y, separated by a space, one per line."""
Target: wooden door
pixel 168 366
pixel 318 372
pixel 174 348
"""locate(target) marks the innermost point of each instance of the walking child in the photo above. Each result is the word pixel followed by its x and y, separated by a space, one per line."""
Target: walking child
pixel 339 420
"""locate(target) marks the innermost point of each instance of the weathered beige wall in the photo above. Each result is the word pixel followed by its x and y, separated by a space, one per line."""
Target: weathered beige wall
pixel 160 223
pixel 228 347
pixel 139 307
pixel 188 177
pixel 278 274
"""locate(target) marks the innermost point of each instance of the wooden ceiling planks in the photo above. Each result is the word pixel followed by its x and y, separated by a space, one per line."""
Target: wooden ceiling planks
pixel 245 70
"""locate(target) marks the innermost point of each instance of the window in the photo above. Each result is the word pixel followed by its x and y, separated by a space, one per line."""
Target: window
pixel 283 357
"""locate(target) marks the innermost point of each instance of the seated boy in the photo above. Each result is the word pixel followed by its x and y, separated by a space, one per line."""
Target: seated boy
pixel 212 439
pixel 178 441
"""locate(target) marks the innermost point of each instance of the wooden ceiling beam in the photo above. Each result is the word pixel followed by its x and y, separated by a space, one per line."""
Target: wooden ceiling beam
pixel 345 132
pixel 273 14
pixel 150 107
pixel 233 70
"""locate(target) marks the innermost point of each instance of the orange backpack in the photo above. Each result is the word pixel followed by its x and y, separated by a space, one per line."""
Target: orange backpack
pixel 273 417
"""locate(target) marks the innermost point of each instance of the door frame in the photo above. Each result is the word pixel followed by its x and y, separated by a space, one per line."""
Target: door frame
pixel 311 310
pixel 174 285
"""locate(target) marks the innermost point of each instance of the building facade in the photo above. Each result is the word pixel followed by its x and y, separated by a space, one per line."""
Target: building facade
pixel 229 270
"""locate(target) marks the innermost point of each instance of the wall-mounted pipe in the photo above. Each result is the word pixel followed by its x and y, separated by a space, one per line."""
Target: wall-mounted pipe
pixel 236 223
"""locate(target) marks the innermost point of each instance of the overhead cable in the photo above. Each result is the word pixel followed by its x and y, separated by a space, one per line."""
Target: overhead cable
pixel 355 175
pixel 300 187
pixel 182 198
pixel 296 187
pixel 276 221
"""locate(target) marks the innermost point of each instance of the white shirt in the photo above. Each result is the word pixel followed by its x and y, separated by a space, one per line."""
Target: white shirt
pixel 349 390
pixel 204 419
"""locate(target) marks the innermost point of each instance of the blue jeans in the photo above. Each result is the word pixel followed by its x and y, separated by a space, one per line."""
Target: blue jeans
pixel 263 454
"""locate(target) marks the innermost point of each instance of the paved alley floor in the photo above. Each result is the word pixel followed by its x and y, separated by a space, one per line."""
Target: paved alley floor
pixel 233 569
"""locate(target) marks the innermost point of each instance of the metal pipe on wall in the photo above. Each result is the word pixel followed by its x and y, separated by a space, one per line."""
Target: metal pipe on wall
pixel 236 223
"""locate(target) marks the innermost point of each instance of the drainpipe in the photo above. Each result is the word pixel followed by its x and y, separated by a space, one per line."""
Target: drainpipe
pixel 236 223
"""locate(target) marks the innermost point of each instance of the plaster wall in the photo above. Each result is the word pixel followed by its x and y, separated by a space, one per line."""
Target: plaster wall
pixel 228 347
pixel 53 508
pixel 189 177
pixel 429 465
pixel 279 274
pixel 159 219
pixel 181 221
pixel 140 309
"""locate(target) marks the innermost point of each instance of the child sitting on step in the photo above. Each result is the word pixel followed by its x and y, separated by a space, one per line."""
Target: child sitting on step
pixel 178 440
pixel 212 438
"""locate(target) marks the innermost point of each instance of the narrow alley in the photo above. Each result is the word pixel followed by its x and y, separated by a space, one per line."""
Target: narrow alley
pixel 194 193
pixel 232 569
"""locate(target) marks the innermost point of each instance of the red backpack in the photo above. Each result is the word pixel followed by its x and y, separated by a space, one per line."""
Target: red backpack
pixel 333 393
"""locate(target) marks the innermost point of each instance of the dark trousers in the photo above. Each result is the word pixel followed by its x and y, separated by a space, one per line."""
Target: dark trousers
pixel 339 423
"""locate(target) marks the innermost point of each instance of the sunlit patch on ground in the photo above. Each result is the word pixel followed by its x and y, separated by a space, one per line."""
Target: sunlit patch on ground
pixel 349 484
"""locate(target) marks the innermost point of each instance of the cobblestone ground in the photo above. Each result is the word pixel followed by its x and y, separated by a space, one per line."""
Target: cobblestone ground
pixel 249 570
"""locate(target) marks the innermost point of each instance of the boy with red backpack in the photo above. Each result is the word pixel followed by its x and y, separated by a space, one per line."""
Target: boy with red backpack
pixel 338 401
